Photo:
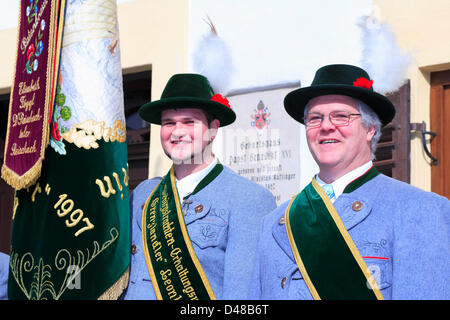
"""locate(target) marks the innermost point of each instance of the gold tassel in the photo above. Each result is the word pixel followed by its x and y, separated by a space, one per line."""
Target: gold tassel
pixel 114 292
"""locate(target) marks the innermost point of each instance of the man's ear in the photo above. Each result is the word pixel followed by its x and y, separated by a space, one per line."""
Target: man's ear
pixel 215 124
pixel 213 127
pixel 370 133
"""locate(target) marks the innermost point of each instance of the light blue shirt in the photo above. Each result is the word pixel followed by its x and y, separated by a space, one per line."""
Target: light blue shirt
pixel 342 182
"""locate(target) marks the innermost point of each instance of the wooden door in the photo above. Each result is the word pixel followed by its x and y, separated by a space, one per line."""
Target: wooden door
pixel 393 151
pixel 440 123
pixel 136 90
pixel 6 210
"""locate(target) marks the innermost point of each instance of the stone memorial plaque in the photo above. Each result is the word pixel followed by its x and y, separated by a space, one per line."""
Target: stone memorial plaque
pixel 263 144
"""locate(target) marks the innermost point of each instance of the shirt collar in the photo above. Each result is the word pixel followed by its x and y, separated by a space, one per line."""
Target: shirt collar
pixel 340 184
pixel 186 185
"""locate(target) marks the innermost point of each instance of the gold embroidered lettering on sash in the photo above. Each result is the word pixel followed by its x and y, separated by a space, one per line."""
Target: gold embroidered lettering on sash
pixel 169 263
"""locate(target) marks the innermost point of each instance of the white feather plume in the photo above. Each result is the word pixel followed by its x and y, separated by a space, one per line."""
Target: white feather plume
pixel 212 59
pixel 382 58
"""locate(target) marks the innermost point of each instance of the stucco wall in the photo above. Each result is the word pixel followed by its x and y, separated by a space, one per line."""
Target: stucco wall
pixel 422 28
pixel 156 35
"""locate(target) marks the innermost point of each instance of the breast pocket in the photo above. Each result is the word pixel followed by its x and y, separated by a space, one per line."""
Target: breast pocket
pixel 296 285
pixel 211 229
pixel 381 270
pixel 377 256
pixel 207 234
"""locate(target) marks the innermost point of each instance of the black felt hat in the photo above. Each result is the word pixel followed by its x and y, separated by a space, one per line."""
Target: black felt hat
pixel 340 79
pixel 189 90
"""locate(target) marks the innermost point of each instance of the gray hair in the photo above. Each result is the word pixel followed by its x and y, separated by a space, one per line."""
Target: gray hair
pixel 368 118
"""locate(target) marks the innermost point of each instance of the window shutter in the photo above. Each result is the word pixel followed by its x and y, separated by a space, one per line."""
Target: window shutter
pixel 393 152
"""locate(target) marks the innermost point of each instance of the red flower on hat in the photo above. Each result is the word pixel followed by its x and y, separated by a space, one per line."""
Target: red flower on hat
pixel 218 98
pixel 363 83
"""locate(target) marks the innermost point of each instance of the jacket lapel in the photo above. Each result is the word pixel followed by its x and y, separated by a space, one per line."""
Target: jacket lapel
pixel 280 235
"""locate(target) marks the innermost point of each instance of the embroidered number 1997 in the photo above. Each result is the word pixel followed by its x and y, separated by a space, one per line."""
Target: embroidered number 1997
pixel 75 216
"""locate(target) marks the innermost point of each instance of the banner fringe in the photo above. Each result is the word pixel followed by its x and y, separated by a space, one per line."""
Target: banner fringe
pixel 114 292
pixel 24 181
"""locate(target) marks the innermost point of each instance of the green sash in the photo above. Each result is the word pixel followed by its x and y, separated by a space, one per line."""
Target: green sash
pixel 324 251
pixel 174 268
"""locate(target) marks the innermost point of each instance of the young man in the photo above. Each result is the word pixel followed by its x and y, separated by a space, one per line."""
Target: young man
pixel 194 232
pixel 352 233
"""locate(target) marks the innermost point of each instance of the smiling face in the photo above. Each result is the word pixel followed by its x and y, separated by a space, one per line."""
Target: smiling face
pixel 338 149
pixel 186 136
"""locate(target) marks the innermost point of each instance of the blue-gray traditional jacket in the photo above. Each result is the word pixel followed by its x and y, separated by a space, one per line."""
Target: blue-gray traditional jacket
pixel 4 270
pixel 222 220
pixel 402 233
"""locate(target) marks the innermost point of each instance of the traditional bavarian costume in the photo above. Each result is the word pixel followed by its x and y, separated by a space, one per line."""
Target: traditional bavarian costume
pixel 199 244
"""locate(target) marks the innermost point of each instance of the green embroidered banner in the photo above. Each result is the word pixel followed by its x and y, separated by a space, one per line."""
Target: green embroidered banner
pixel 324 251
pixel 174 268
pixel 71 229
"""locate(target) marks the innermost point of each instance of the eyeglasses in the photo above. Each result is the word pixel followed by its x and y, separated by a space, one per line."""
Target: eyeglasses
pixel 338 118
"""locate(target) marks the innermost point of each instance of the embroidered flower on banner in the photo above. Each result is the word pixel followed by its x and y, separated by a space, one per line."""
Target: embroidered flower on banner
pixel 55 132
pixel 40 47
pixel 30 51
pixel 61 114
pixel 218 98
pixel 363 83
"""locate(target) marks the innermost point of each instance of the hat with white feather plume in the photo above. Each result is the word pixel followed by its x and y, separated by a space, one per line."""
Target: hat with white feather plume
pixel 197 90
pixel 382 59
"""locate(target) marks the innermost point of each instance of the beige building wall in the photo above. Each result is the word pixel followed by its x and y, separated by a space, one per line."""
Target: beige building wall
pixel 422 28
pixel 8 39
pixel 154 35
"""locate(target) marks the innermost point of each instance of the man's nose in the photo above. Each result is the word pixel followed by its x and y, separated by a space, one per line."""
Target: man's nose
pixel 179 128
pixel 179 125
pixel 327 124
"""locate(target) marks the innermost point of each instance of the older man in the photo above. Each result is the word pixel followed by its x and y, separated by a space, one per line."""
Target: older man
pixel 194 232
pixel 352 233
